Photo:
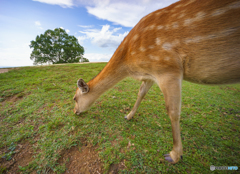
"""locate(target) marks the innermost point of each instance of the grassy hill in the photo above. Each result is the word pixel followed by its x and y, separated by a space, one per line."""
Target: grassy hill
pixel 39 132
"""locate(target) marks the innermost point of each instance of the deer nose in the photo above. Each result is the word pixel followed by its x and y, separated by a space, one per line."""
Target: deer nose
pixel 77 113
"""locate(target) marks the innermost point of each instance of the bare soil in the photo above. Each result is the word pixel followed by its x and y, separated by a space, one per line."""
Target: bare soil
pixel 22 157
pixel 79 160
pixel 84 160
pixel 3 70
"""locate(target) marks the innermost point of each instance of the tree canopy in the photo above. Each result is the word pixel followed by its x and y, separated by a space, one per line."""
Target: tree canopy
pixel 56 46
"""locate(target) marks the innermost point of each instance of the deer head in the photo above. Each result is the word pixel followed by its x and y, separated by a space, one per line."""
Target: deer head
pixel 80 98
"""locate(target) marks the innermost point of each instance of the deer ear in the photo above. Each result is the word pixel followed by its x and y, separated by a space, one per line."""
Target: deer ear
pixel 82 86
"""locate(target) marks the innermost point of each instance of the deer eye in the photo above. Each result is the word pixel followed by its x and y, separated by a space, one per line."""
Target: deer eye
pixel 74 98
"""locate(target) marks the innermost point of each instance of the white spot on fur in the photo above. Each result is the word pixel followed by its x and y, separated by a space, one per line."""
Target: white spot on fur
pixel 144 18
pixel 180 5
pixel 188 21
pixel 194 39
pixel 211 36
pixel 151 27
pixel 158 41
pixel 227 32
pixel 189 2
pixel 234 5
pixel 223 33
pixel 125 41
pixel 167 26
pixel 135 37
pixel 175 25
pixel 219 11
pixel 153 57
pixel 142 49
pixel 220 34
pixel 132 53
pixel 167 46
pixel 159 27
pixel 181 15
pixel 151 47
pixel 200 15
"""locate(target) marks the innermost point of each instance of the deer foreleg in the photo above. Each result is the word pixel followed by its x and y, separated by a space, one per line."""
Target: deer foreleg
pixel 171 88
pixel 145 86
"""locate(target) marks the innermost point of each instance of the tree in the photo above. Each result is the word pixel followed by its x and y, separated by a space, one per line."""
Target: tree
pixel 56 46
pixel 83 59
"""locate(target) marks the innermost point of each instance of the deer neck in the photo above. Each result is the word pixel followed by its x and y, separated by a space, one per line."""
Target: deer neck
pixel 112 73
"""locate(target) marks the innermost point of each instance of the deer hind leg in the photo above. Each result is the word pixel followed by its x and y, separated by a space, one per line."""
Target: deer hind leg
pixel 145 86
pixel 171 88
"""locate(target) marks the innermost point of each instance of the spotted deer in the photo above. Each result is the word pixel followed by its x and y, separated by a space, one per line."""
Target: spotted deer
pixel 192 40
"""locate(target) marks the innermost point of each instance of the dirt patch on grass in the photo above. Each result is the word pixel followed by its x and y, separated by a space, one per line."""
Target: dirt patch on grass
pixel 78 159
pixel 114 168
pixel 15 98
pixel 84 160
pixel 22 157
pixel 229 88
pixel 12 99
pixel 4 70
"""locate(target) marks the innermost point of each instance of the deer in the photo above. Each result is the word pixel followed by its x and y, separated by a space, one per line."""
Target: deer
pixel 196 41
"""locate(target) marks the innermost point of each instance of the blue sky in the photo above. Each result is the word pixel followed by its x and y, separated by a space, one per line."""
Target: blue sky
pixel 99 25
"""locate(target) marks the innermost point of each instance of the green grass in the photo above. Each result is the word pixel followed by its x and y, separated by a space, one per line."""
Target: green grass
pixel 37 107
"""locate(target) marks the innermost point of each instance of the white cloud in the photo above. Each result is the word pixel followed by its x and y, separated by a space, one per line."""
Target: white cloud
pixel 81 39
pixel 62 3
pixel 104 37
pixel 97 57
pixel 114 13
pixel 37 23
pixel 126 13
pixel 86 26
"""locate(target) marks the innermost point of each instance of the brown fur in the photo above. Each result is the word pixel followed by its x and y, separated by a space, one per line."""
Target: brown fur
pixel 198 41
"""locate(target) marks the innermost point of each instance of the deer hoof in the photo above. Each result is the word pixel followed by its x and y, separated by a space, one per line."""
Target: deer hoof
pixel 126 117
pixel 168 158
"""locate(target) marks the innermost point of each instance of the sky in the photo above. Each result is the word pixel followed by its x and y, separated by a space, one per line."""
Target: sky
pixel 99 25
